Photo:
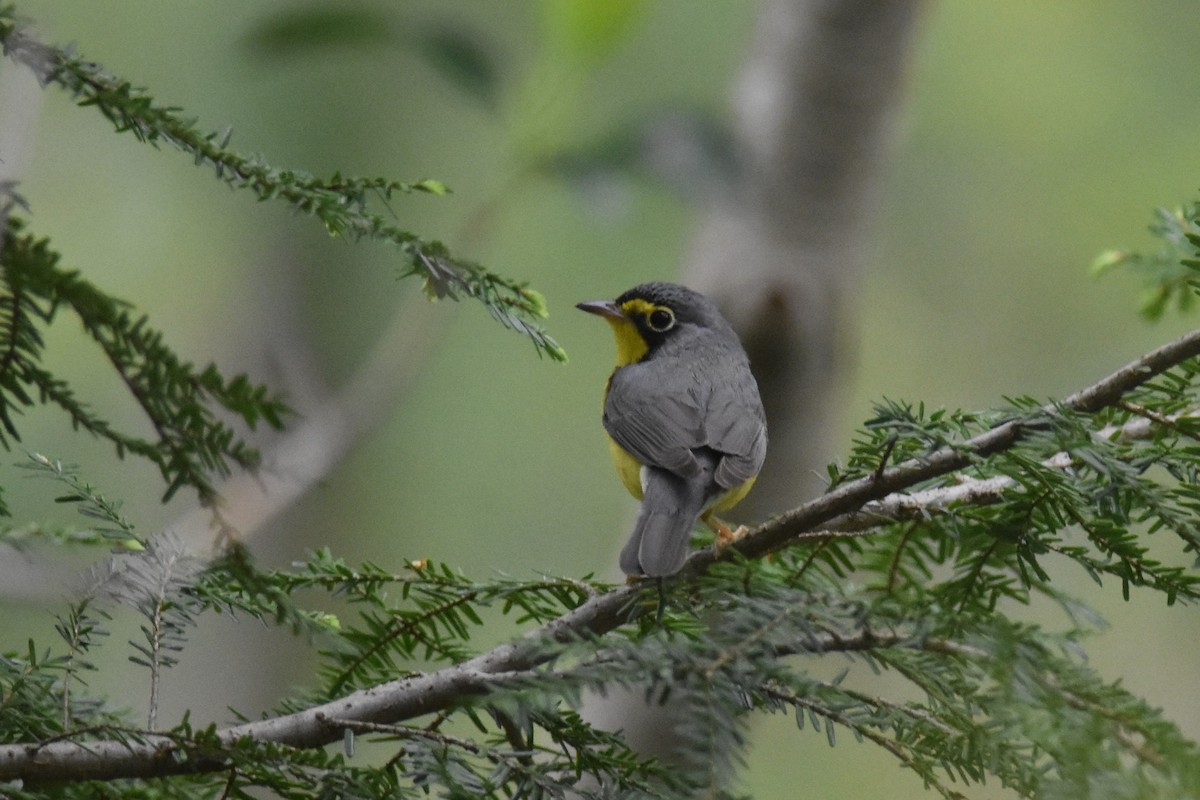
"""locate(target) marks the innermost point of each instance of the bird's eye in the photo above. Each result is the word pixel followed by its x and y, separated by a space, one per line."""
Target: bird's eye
pixel 660 320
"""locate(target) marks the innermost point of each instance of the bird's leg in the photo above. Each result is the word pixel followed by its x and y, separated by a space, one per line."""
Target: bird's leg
pixel 725 536
pixel 634 580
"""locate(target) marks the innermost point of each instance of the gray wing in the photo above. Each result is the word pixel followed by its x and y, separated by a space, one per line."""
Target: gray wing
pixel 660 422
pixel 736 427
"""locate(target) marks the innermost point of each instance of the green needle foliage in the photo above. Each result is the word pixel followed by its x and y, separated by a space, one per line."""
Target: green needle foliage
pixel 341 203
pixel 929 592
pixel 1171 275
pixel 927 584
pixel 192 446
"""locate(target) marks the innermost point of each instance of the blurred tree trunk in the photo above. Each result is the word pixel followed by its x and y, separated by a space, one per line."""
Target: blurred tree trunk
pixel 782 249
pixel 782 253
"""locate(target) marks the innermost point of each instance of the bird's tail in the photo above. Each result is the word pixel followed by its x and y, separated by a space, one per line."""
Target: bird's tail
pixel 658 545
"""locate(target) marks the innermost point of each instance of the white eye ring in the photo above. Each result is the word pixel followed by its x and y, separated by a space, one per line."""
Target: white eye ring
pixel 661 320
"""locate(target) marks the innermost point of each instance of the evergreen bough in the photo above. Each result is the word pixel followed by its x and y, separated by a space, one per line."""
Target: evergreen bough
pixel 917 562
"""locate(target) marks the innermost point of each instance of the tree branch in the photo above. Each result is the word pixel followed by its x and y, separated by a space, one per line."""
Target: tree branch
pixel 415 696
pixel 828 509
pixel 341 203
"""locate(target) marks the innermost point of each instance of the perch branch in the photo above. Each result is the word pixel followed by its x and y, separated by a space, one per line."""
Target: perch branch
pixel 418 695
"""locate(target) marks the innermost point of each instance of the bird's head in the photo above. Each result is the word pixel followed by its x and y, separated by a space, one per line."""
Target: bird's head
pixel 650 314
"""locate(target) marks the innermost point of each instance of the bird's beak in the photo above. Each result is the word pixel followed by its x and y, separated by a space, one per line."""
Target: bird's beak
pixel 604 308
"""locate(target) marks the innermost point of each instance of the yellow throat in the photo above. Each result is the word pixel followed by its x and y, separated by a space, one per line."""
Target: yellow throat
pixel 631 345
pixel 631 348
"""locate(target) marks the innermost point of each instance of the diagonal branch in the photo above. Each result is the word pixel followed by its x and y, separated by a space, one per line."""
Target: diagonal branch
pixel 418 695
pixel 853 495
pixel 339 202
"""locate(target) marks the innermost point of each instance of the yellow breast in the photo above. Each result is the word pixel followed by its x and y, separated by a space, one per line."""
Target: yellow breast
pixel 628 468
pixel 730 498
pixel 630 472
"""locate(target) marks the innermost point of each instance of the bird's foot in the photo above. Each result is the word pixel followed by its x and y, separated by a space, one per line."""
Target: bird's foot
pixel 725 536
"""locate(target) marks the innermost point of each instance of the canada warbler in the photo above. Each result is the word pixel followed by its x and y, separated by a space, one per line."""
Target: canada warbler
pixel 685 423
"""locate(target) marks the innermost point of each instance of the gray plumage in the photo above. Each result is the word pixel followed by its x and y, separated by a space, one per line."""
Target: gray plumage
pixel 658 545
pixel 690 413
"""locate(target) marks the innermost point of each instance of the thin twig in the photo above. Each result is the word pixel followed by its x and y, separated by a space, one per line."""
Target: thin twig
pixel 1165 420
pixel 229 784
pixel 894 567
pixel 896 748
pixel 401 732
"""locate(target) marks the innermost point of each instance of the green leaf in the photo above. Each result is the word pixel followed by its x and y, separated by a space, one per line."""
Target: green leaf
pixel 301 31
pixel 586 31
pixel 461 58
pixel 1107 261
pixel 432 187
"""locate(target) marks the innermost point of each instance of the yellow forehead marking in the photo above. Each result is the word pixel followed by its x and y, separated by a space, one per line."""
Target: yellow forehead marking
pixel 637 307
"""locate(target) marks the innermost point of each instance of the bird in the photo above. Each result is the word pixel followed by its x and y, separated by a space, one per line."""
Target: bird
pixel 685 422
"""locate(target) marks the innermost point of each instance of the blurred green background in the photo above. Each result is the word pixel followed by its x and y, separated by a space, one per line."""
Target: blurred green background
pixel 1035 136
